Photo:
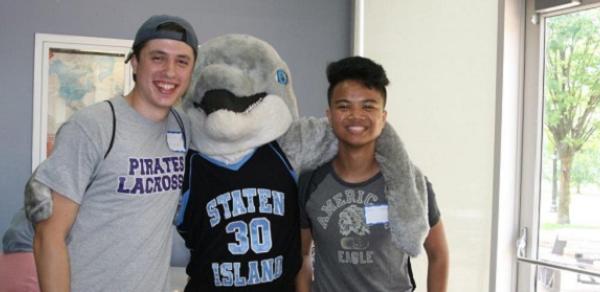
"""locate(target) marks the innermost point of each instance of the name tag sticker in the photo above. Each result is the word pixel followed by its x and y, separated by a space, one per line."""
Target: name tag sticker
pixel 376 214
pixel 175 141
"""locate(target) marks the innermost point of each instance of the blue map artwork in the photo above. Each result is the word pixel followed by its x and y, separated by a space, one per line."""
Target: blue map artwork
pixel 72 87
pixel 77 79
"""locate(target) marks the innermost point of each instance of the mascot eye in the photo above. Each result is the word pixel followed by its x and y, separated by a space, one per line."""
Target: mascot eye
pixel 282 77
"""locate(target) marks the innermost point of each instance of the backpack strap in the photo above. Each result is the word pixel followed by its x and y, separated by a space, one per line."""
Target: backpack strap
pixel 180 123
pixel 112 139
pixel 114 127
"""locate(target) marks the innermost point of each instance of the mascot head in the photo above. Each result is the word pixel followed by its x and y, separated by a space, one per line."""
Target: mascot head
pixel 241 96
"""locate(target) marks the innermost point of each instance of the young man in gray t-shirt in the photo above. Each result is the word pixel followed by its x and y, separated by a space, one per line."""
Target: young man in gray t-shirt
pixel 343 206
pixel 115 174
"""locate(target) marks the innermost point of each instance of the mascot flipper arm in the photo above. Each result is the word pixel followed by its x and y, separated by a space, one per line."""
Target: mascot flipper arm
pixel 405 191
pixel 309 143
pixel 38 200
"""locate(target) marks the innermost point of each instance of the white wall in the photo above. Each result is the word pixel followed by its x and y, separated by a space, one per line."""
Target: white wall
pixel 441 58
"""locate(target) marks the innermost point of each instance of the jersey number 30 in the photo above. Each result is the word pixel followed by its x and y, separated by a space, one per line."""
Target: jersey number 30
pixel 256 235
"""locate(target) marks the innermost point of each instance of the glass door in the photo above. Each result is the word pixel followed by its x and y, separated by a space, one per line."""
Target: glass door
pixel 560 194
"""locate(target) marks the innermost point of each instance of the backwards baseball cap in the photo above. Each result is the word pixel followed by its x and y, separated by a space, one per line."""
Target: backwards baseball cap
pixel 165 27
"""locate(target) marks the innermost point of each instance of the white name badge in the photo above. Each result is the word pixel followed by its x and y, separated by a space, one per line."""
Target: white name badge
pixel 175 141
pixel 376 214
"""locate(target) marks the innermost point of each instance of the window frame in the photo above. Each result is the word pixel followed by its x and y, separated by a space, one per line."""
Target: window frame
pixel 532 131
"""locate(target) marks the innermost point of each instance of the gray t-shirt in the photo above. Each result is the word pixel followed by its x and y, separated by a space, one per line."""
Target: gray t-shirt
pixel 121 237
pixel 353 246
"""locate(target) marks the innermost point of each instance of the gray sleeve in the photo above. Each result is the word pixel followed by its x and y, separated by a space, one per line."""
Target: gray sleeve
pixel 433 210
pixel 303 194
pixel 76 154
pixel 306 185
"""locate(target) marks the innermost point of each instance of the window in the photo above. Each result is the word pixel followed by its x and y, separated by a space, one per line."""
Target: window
pixel 560 183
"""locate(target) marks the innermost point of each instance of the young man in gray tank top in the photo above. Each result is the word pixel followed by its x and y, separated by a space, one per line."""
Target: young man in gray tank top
pixel 110 228
pixel 343 206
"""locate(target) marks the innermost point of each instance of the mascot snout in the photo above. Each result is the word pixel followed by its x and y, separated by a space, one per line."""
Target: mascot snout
pixel 223 99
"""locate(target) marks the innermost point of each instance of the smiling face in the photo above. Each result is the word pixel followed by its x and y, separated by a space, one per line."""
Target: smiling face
pixel 356 114
pixel 163 71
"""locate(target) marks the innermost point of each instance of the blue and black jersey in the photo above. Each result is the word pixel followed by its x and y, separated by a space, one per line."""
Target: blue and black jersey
pixel 241 222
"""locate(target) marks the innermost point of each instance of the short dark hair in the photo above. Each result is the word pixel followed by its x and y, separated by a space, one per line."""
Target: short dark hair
pixel 361 69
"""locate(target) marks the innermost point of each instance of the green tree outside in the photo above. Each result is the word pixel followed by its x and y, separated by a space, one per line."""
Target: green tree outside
pixel 572 93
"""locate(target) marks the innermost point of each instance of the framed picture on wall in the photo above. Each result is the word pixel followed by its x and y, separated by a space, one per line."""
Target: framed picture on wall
pixel 71 72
